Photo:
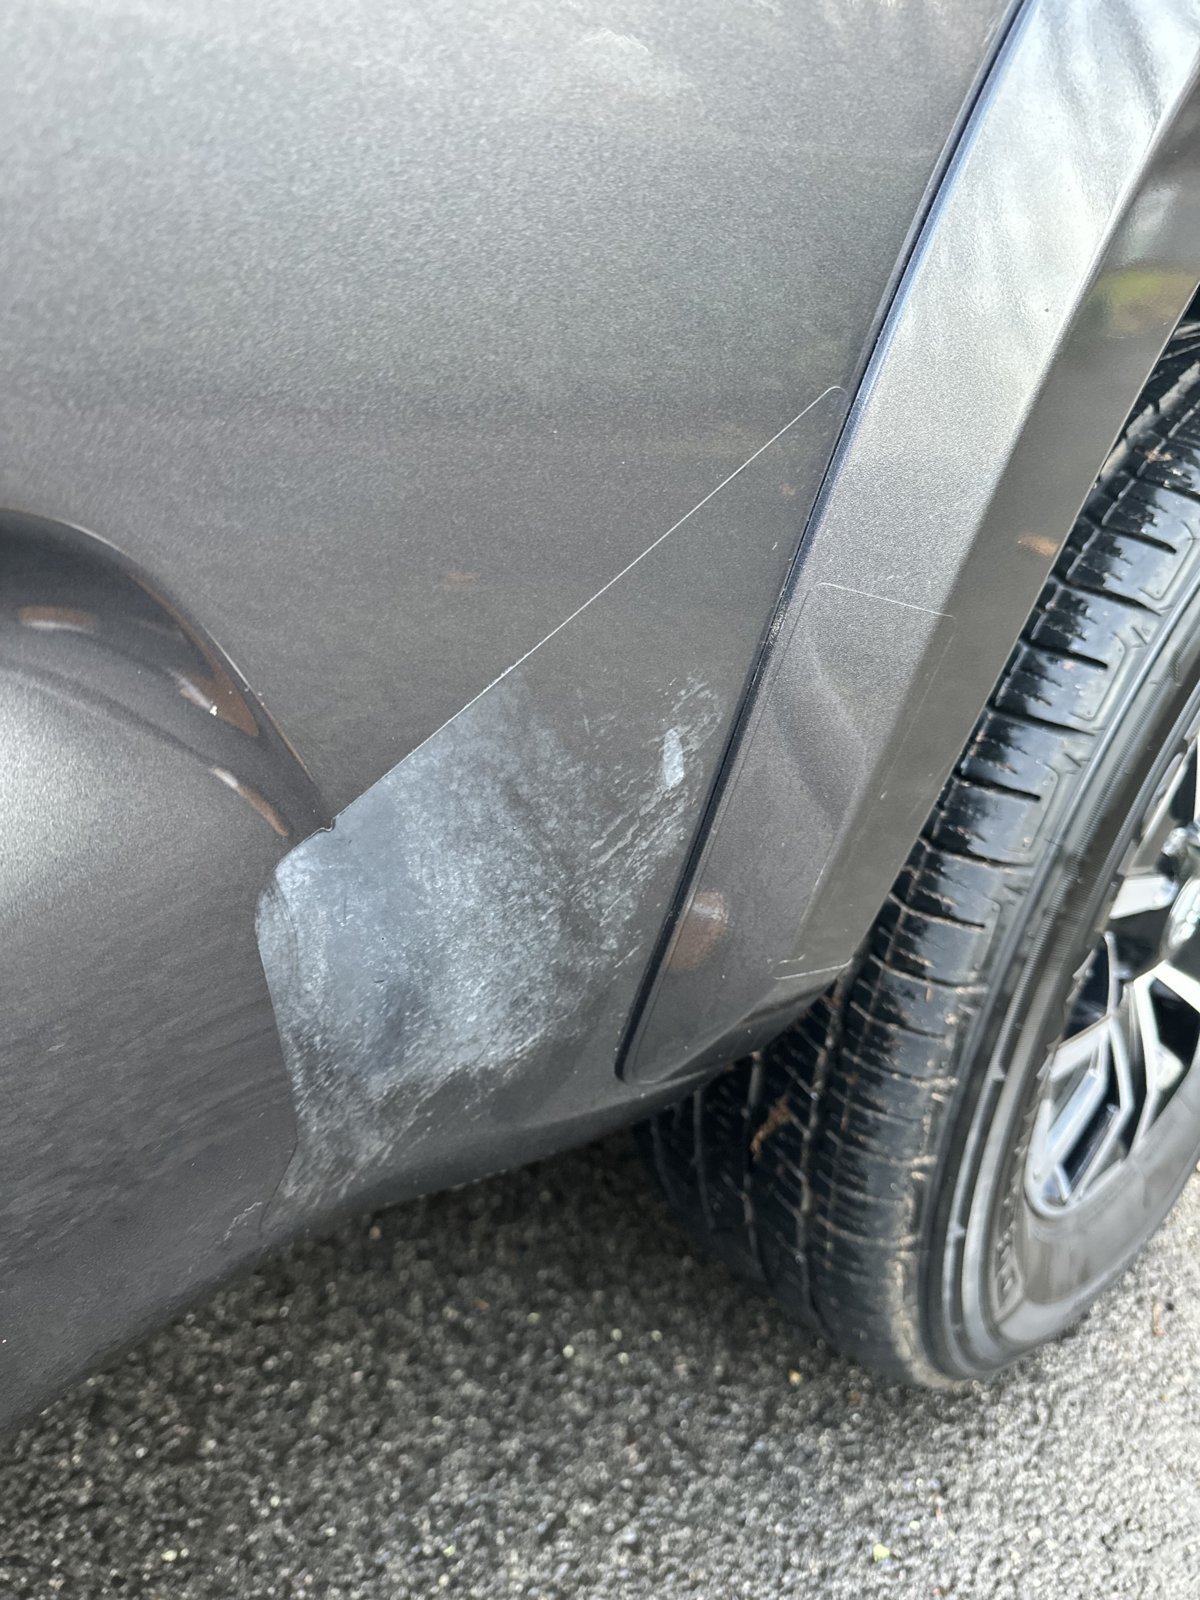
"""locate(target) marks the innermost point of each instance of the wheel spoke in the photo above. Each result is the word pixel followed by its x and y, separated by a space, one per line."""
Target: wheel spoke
pixel 1080 1050
pixel 1070 1149
pixel 1161 1066
pixel 1133 1013
pixel 1142 892
pixel 1112 973
pixel 1180 983
pixel 1085 1100
pixel 1174 806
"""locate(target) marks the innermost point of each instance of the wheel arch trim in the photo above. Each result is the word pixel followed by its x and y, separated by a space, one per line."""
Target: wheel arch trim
pixel 1061 251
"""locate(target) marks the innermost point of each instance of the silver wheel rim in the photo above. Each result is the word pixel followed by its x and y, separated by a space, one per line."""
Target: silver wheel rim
pixel 1133 1022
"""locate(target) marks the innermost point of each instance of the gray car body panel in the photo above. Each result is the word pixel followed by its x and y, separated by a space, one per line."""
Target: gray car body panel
pixel 398 351
pixel 145 796
pixel 379 339
pixel 454 964
pixel 388 334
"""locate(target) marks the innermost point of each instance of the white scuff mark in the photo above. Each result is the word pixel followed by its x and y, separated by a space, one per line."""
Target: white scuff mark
pixel 672 759
pixel 494 876
pixel 622 64
pixel 609 39
pixel 241 1219
pixel 490 919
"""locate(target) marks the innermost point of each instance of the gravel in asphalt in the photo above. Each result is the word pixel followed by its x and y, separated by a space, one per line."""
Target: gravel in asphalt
pixel 533 1387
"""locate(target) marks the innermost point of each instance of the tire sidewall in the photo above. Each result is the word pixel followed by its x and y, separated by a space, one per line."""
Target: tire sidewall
pixel 1049 929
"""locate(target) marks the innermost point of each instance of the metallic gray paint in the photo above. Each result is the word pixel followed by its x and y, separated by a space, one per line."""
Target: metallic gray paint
pixel 387 343
pixel 453 963
pixel 382 338
pixel 387 334
pixel 1064 246
pixel 144 794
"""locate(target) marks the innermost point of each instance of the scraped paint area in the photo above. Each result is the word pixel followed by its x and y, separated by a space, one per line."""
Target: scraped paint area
pixel 453 964
pixel 465 923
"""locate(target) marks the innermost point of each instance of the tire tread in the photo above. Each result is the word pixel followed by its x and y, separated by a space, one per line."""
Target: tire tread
pixel 810 1169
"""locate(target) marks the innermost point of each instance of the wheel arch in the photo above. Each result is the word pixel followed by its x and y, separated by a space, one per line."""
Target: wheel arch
pixel 1061 252
pixel 145 795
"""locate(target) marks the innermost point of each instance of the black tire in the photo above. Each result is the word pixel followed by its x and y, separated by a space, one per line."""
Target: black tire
pixel 869 1167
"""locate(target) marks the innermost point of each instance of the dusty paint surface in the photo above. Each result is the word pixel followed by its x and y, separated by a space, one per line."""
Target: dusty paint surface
pixel 466 924
pixel 453 964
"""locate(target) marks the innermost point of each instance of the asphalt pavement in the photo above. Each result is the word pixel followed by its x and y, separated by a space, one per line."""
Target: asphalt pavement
pixel 533 1387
